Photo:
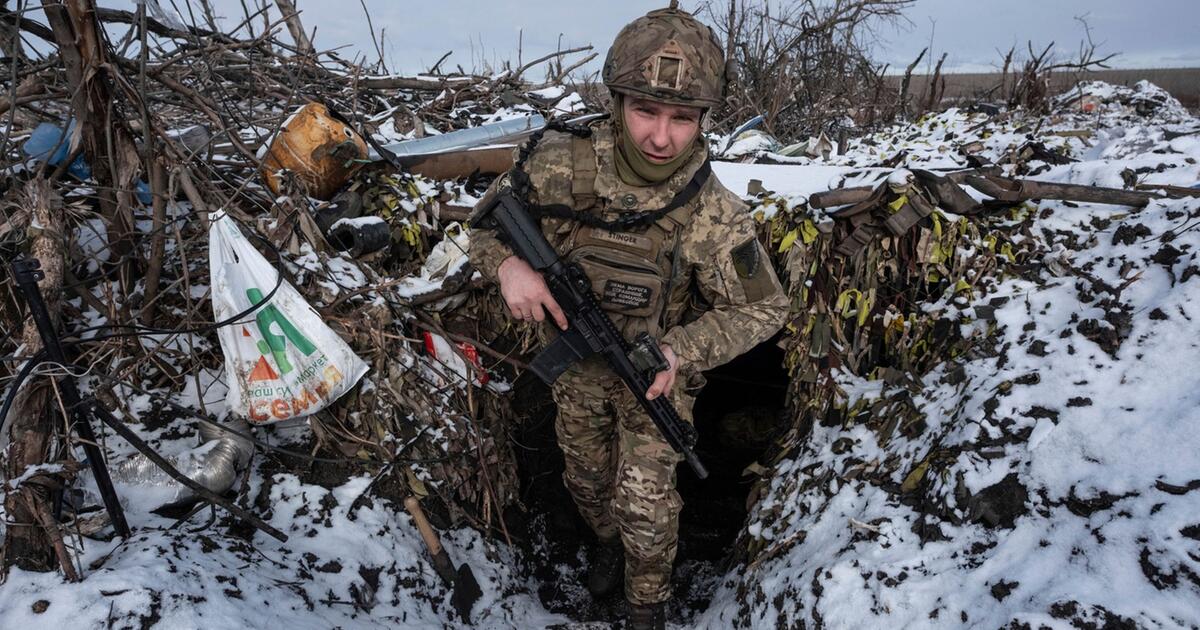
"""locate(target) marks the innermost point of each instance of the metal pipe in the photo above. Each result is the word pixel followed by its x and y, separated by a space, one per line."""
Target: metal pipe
pixel 505 131
pixel 215 468
pixel 464 138
pixel 229 457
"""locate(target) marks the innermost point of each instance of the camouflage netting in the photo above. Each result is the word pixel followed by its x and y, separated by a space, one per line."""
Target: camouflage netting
pixel 886 315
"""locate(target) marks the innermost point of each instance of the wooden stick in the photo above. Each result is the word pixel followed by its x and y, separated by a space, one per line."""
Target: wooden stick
pixel 1012 190
pixel 38 504
pixel 288 9
pixel 1174 191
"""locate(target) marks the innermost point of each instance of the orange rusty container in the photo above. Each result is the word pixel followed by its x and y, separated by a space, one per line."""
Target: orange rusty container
pixel 322 151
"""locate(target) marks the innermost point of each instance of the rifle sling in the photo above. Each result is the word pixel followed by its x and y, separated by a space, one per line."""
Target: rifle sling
pixel 634 220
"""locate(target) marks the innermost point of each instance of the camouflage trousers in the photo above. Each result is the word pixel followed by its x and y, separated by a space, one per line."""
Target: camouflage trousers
pixel 621 472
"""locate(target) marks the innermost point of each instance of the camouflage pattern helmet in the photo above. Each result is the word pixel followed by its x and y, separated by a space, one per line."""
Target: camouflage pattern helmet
pixel 669 56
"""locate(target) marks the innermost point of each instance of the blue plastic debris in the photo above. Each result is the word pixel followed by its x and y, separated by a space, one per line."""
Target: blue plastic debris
pixel 48 143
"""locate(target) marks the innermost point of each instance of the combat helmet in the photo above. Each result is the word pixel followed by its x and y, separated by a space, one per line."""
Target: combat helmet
pixel 669 56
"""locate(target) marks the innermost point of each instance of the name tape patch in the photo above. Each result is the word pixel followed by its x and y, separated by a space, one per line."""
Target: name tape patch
pixel 632 241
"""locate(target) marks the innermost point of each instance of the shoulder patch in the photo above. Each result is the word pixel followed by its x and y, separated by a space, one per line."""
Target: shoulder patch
pixel 746 259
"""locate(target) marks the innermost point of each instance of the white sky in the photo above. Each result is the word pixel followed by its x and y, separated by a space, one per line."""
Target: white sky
pixel 1147 33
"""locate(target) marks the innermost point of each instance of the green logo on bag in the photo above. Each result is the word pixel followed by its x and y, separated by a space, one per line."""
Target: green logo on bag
pixel 272 343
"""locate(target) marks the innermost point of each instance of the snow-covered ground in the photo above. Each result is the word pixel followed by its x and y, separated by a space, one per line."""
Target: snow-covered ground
pixel 1069 478
pixel 1068 485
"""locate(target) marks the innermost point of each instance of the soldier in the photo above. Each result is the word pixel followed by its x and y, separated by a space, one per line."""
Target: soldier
pixel 693 276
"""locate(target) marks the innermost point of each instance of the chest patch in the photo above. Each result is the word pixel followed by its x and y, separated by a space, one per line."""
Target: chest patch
pixel 638 242
pixel 626 294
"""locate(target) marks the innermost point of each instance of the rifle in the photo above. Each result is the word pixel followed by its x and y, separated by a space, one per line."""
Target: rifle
pixel 589 331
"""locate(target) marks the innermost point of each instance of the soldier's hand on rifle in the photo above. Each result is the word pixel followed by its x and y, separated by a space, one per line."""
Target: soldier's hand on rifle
pixel 664 380
pixel 526 294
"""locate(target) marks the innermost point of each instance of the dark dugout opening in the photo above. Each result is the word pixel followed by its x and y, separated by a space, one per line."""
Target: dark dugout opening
pixel 738 414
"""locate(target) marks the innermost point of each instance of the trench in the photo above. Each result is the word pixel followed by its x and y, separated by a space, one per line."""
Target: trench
pixel 737 414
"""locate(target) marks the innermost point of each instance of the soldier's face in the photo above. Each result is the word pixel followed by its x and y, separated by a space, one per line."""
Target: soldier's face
pixel 660 130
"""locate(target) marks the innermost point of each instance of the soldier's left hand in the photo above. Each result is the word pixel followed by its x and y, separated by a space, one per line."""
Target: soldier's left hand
pixel 664 380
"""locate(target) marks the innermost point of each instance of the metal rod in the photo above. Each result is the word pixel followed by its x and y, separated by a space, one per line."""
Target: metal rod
pixel 27 272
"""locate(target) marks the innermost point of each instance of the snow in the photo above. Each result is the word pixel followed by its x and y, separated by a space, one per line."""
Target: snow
pixel 791 180
pixel 1103 439
pixel 549 93
pixel 571 104
pixel 92 236
pixel 208 577
pixel 31 472
pixel 356 222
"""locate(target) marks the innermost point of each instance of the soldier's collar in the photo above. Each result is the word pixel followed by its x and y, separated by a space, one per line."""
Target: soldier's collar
pixel 622 196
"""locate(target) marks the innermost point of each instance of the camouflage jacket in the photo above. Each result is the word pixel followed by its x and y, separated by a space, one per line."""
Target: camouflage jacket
pixel 726 298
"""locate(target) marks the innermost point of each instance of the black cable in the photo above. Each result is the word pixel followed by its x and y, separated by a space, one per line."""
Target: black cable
pixel 188 411
pixel 28 368
pixel 23 374
pixel 150 330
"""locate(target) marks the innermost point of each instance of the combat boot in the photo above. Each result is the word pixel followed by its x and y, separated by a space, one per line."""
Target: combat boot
pixel 606 566
pixel 647 616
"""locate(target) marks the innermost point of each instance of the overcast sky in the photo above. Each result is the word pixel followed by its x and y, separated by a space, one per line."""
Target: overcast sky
pixel 1147 33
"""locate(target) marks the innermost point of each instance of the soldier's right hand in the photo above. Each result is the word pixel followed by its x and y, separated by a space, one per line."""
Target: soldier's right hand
pixel 526 294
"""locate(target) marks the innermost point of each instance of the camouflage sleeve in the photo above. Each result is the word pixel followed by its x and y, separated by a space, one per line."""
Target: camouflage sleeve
pixel 486 251
pixel 549 171
pixel 734 275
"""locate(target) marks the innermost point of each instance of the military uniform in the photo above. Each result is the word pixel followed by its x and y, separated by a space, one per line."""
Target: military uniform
pixel 697 279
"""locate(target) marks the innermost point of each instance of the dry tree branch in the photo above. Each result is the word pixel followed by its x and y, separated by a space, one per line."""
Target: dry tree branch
pixel 804 65
pixel 239 86
pixel 295 27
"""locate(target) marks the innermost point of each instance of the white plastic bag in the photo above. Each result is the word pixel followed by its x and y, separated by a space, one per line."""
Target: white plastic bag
pixel 281 360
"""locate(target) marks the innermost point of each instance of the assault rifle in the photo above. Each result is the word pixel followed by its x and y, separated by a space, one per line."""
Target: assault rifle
pixel 589 330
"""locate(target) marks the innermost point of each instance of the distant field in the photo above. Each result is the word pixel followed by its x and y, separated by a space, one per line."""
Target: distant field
pixel 1182 83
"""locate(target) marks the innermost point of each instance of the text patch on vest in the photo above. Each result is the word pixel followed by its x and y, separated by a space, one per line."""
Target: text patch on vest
pixel 626 294
pixel 632 241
